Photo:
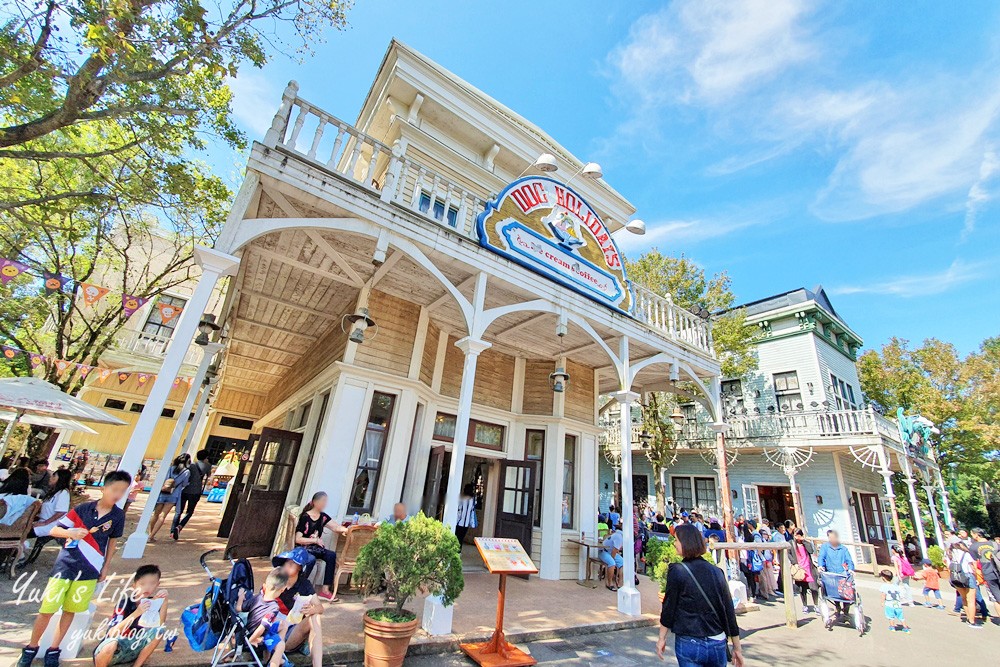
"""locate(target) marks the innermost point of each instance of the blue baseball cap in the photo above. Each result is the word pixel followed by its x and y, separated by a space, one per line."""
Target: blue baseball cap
pixel 298 555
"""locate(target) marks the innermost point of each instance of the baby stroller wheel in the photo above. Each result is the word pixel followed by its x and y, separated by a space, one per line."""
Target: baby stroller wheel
pixel 826 614
pixel 859 621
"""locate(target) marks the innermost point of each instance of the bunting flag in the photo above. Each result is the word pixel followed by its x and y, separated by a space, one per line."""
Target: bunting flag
pixel 10 269
pixel 92 293
pixel 61 366
pixel 132 303
pixel 143 378
pixel 84 370
pixel 168 311
pixel 37 360
pixel 190 382
pixel 177 381
pixel 123 377
pixel 11 352
pixel 54 282
pixel 103 374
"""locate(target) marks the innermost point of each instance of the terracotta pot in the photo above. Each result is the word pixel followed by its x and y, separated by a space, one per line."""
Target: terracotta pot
pixel 660 596
pixel 386 643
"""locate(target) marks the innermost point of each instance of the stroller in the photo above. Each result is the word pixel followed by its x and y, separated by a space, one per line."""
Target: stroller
pixel 837 587
pixel 215 623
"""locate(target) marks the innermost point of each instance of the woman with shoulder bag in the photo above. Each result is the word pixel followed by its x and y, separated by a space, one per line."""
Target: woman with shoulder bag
pixel 963 579
pixel 803 570
pixel 177 479
pixel 698 608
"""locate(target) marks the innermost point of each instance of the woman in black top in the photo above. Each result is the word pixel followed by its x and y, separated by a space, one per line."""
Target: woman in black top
pixel 309 534
pixel 697 607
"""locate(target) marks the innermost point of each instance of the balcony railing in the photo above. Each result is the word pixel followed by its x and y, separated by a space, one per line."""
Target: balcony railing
pixel 151 346
pixel 334 145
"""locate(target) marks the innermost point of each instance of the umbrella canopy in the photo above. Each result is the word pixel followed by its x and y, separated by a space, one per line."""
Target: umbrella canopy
pixel 51 422
pixel 31 396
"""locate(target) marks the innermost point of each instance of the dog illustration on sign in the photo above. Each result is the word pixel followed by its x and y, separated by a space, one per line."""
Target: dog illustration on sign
pixel 565 229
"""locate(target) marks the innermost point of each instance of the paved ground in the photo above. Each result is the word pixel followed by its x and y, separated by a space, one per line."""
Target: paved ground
pixel 535 610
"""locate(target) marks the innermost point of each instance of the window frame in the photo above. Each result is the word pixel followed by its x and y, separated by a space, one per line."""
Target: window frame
pixel 536 520
pixel 570 442
pixel 788 392
pixel 470 438
pixel 376 476
pixel 108 401
pixel 691 482
pixel 449 211
pixel 154 312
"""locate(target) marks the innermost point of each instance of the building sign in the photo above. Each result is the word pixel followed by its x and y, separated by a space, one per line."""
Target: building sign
pixel 549 228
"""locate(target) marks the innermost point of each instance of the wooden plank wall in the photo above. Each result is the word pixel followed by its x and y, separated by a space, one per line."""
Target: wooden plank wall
pixel 328 349
pixel 537 389
pixel 391 348
pixel 451 378
pixel 429 354
pixel 580 393
pixel 494 380
pixel 242 403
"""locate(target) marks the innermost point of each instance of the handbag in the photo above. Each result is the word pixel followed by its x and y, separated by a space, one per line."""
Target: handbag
pixel 168 486
pixel 798 572
pixel 722 621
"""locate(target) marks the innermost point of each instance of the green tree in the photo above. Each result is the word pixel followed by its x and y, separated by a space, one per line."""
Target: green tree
pixel 661 448
pixel 689 287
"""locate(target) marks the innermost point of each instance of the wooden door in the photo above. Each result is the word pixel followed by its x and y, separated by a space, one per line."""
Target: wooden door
pixel 751 501
pixel 515 509
pixel 432 483
pixel 238 482
pixel 873 530
pixel 261 502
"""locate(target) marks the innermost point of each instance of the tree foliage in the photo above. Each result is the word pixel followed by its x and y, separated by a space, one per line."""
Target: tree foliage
pixel 408 557
pixel 662 446
pixel 960 395
pixel 689 287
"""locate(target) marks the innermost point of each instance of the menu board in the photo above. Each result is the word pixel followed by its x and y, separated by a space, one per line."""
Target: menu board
pixel 505 556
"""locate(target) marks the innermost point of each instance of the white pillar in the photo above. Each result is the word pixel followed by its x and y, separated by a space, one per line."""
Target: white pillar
pixel 587 493
pixel 944 500
pixel 135 545
pixel 214 265
pixel 551 509
pixel 929 490
pixel 628 595
pixel 911 485
pixel 198 422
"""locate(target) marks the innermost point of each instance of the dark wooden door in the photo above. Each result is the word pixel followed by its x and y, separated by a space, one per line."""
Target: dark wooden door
pixel 515 512
pixel 873 530
pixel 431 504
pixel 263 493
pixel 238 482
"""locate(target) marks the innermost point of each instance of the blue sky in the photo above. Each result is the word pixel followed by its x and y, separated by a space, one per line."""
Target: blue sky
pixel 850 144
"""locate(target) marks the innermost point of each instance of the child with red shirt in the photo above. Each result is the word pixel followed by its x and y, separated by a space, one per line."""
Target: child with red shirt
pixel 932 584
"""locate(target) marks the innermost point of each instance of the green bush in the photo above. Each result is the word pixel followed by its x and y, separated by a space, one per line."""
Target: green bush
pixel 936 556
pixel 661 556
pixel 410 557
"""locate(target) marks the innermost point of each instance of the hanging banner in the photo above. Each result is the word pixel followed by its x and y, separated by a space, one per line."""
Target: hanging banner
pixel 54 282
pixel 92 293
pixel 168 311
pixel 11 352
pixel 84 370
pixel 177 381
pixel 10 269
pixel 131 303
pixel 103 374
pixel 37 360
pixel 547 227
pixel 123 377
pixel 143 378
pixel 62 365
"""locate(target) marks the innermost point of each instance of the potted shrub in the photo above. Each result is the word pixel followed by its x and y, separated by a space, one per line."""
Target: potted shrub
pixel 419 555
pixel 936 556
pixel 665 556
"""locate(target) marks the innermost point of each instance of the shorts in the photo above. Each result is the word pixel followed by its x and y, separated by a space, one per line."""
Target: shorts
pixel 71 595
pixel 127 649
pixel 894 613
pixel 617 561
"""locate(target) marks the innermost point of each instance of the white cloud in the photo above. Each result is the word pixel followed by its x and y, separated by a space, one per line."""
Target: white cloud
pixel 709 50
pixel 979 193
pixel 928 284
pixel 669 234
pixel 255 100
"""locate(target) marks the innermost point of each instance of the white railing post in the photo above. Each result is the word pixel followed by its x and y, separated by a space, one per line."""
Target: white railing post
pixel 392 181
pixel 316 138
pixel 276 133
pixel 335 152
pixel 299 120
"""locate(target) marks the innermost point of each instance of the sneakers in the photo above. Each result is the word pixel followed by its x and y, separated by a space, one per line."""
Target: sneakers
pixel 174 533
pixel 52 658
pixel 27 655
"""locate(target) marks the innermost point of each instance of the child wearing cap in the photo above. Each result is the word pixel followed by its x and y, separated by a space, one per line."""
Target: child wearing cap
pixel 932 584
pixel 892 601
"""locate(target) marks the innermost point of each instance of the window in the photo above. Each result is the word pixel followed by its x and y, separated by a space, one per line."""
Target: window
pixel 372 451
pixel 568 482
pixel 786 390
pixel 439 208
pixel 155 325
pixel 136 407
pixel 168 412
pixel 323 403
pixel 534 450
pixel 732 396
pixel 695 493
pixel 233 422
pixel 115 404
pixel 843 393
pixel 303 416
pixel 481 434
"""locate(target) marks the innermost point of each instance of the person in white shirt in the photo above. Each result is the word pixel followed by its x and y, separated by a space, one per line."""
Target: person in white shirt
pixel 55 503
pixel 466 514
pixel 612 558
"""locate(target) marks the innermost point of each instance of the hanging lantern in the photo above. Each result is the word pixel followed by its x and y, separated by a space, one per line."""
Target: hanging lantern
pixel 359 323
pixel 559 380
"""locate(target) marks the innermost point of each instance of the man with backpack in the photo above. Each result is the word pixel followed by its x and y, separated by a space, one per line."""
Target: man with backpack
pixel 989 563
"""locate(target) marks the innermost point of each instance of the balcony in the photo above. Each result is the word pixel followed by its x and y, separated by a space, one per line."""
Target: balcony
pixel 145 351
pixel 336 147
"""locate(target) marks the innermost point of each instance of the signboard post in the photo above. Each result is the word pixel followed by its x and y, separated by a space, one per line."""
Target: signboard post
pixel 501 556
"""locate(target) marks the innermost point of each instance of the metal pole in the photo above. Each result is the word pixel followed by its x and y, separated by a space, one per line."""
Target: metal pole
pixel 9 430
pixel 135 545
pixel 944 501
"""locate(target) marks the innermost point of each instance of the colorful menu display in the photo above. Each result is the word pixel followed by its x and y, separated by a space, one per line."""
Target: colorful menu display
pixel 505 556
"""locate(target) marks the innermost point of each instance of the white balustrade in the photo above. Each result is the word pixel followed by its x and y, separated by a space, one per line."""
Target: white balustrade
pixel 660 313
pixel 143 344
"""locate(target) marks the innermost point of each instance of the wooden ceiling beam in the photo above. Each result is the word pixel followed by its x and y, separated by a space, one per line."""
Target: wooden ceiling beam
pixel 446 297
pixel 337 258
pixel 273 327
pixel 245 356
pixel 289 304
pixel 264 346
pixel 282 259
